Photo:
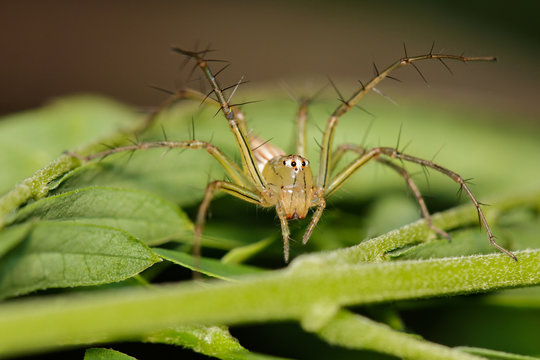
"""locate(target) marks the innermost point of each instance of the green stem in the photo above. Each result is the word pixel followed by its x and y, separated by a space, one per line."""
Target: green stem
pixel 25 325
pixel 357 332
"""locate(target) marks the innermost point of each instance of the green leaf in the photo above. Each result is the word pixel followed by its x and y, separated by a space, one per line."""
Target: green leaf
pixel 144 215
pixel 178 178
pixel 67 254
pixel 12 236
pixel 105 354
pixel 242 253
pixel 495 355
pixel 31 139
pixel 210 267
pixel 526 298
pixel 213 341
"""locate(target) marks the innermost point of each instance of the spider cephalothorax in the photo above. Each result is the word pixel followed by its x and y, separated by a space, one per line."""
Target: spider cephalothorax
pixel 270 178
pixel 291 181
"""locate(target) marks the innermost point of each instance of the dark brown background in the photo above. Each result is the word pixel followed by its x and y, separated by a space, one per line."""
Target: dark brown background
pixel 116 48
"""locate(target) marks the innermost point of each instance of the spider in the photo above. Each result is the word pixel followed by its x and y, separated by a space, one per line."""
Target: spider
pixel 269 177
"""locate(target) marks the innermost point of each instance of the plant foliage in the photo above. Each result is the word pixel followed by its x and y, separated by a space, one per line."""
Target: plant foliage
pixel 101 251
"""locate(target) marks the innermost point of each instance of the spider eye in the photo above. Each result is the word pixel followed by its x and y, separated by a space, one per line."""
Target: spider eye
pixel 303 163
pixel 284 162
pixel 293 163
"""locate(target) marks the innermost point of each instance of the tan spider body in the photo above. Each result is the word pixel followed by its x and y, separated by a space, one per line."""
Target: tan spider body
pixel 290 183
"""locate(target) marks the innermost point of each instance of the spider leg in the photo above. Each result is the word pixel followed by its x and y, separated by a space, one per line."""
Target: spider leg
pixel 346 105
pixel 301 120
pixel 181 94
pixel 174 97
pixel 230 167
pixel 235 190
pixel 425 212
pixel 393 153
pixel 340 151
pixel 186 93
pixel 235 122
pixel 321 205
pixel 285 232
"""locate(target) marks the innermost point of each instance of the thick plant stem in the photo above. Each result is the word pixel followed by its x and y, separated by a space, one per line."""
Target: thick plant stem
pixel 281 295
pixel 357 332
pixel 35 187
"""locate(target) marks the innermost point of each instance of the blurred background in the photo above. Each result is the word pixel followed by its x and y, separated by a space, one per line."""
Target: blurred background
pixel 117 48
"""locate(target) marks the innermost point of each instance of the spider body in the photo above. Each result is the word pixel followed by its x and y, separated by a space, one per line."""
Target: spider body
pixel 269 178
pixel 290 183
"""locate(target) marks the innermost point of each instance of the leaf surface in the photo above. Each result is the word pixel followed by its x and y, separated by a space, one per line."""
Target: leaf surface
pixel 207 266
pixel 67 254
pixel 144 215
pixel 105 354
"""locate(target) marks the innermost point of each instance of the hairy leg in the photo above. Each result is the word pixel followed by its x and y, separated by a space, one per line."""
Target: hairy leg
pixel 230 167
pixel 346 105
pixel 393 153
pixel 342 149
pixel 235 190
pixel 321 205
pixel 235 122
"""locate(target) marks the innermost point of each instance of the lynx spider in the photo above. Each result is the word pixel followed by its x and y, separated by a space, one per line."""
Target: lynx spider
pixel 268 177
